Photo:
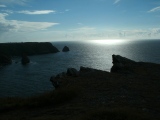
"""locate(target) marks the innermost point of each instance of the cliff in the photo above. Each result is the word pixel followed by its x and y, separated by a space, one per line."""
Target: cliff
pixel 93 94
pixel 28 48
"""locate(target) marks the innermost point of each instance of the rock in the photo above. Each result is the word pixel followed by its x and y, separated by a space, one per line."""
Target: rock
pixel 120 59
pixel 86 69
pixel 5 60
pixel 25 60
pixel 65 49
pixel 121 64
pixel 60 75
pixel 54 81
pixel 72 72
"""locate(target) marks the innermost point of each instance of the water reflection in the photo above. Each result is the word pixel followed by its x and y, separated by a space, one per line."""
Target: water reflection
pixel 109 41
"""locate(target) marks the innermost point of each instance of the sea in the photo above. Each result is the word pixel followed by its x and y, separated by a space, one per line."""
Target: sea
pixel 17 80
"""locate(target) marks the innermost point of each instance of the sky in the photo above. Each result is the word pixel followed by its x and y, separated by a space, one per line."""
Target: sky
pixel 59 20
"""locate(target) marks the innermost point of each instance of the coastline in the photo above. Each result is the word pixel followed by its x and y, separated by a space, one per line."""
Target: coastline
pixel 9 50
pixel 130 91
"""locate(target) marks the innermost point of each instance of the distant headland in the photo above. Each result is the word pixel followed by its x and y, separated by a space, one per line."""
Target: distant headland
pixel 28 48
pixel 7 50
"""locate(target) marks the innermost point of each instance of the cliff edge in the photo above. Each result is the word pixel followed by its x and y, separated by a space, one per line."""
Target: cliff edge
pixel 131 91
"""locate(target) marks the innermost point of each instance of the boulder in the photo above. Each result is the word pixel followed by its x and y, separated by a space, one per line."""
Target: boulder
pixel 25 60
pixel 54 81
pixel 72 72
pixel 60 75
pixel 5 60
pixel 57 80
pixel 65 49
pixel 121 64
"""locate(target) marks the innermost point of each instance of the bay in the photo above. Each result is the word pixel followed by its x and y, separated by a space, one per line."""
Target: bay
pixel 19 80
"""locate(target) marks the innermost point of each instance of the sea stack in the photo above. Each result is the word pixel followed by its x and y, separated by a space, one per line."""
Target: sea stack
pixel 65 49
pixel 25 60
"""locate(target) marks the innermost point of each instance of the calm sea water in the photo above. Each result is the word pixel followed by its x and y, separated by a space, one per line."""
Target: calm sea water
pixel 19 80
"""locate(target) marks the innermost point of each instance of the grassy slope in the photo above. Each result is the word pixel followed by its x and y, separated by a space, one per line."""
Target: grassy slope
pixel 94 96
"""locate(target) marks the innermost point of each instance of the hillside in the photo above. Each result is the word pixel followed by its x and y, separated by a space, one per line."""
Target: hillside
pixel 130 92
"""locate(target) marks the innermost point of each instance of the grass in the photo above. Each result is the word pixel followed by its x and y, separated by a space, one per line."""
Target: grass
pixel 96 96
pixel 124 113
pixel 51 98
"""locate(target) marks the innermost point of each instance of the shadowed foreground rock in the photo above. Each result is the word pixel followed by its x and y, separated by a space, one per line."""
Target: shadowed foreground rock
pixel 130 84
pixel 122 64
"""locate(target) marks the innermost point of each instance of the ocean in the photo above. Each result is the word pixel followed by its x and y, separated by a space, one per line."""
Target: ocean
pixel 34 78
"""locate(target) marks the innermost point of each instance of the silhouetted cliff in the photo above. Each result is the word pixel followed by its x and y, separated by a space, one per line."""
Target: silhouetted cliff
pixel 28 48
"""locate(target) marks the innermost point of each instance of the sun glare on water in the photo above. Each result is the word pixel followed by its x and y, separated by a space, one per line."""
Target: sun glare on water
pixel 109 42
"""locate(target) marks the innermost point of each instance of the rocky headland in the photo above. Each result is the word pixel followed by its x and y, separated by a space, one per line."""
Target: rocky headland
pixel 130 91
pixel 7 50
pixel 5 60
pixel 28 48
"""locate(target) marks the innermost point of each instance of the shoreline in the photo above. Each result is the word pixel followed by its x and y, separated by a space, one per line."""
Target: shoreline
pixel 131 89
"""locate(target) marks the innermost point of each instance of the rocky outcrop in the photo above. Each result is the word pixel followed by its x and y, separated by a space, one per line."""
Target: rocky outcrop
pixel 65 49
pixel 121 64
pixel 5 60
pixel 55 81
pixel 72 72
pixel 25 60
pixel 29 48
pixel 86 69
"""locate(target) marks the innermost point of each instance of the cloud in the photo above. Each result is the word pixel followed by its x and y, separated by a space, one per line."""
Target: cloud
pixel 34 12
pixel 83 29
pixel 37 12
pixel 154 9
pixel 67 10
pixel 80 23
pixel 3 6
pixel 4 26
pixel 18 2
pixel 117 1
pixel 22 26
pixel 8 11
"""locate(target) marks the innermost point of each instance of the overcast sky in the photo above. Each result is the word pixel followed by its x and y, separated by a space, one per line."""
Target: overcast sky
pixel 52 20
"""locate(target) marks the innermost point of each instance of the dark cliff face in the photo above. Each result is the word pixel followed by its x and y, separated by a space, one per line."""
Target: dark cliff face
pixel 28 48
pixel 5 60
